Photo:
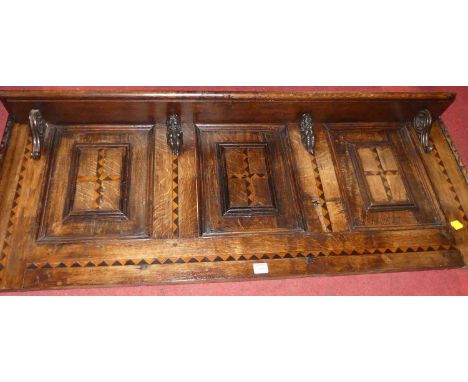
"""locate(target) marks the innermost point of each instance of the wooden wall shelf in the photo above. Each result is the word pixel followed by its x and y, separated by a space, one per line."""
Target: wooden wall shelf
pixel 134 187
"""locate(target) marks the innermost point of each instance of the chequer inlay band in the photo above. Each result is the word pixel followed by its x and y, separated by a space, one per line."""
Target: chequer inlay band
pixel 327 224
pixel 6 249
pixel 443 169
pixel 175 195
pixel 144 262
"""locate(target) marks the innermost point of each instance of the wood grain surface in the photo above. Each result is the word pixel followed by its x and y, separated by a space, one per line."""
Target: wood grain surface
pixel 109 203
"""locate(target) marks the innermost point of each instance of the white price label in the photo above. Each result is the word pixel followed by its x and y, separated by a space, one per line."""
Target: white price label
pixel 260 268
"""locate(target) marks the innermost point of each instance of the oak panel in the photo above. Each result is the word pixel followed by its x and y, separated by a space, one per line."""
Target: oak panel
pixel 109 203
pixel 104 190
pixel 382 178
pixel 246 183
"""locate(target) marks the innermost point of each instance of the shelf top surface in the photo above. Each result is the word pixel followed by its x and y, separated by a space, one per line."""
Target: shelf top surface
pixel 280 96
pixel 68 106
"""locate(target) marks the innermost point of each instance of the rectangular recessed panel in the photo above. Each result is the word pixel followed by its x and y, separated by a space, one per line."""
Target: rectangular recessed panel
pixel 99 184
pixel 247 183
pixel 381 177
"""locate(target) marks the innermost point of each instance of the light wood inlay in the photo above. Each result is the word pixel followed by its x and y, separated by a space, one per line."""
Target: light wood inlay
pixel 108 202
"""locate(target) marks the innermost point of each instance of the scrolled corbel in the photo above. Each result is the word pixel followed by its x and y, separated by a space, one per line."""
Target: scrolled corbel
pixel 306 126
pixel 174 133
pixel 38 127
pixel 422 124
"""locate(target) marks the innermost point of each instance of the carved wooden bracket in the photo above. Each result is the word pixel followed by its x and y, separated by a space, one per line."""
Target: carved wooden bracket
pixel 422 123
pixel 307 133
pixel 174 133
pixel 38 127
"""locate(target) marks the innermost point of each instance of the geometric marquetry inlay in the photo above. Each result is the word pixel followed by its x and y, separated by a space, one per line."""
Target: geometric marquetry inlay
pixel 382 176
pixel 98 184
pixel 246 183
pixel 109 203
pixel 244 173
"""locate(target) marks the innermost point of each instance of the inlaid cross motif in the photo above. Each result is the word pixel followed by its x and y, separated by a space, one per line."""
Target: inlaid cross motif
pixel 384 181
pixel 247 176
pixel 382 173
pixel 246 186
pixel 98 179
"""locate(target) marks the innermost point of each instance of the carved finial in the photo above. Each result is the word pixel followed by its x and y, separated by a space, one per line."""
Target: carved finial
pixel 38 127
pixel 422 123
pixel 307 133
pixel 174 133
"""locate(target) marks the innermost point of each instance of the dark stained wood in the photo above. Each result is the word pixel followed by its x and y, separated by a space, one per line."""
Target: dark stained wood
pixel 68 107
pixel 109 201
pixel 210 96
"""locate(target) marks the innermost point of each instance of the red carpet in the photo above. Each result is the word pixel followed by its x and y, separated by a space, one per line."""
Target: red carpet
pixel 449 282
